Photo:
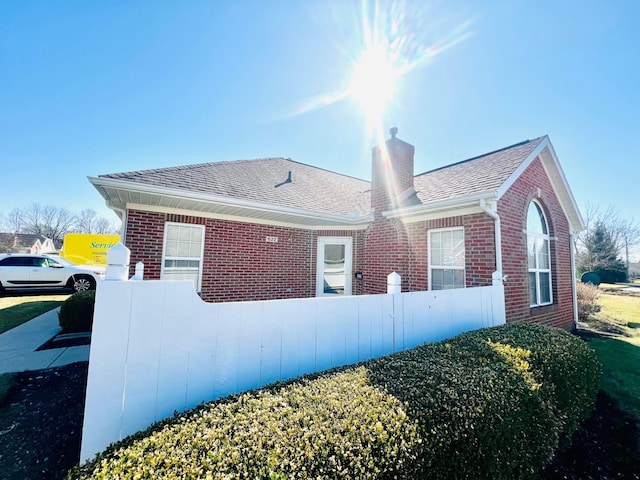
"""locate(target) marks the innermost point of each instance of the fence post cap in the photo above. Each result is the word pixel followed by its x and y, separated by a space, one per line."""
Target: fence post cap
pixel 393 278
pixel 118 255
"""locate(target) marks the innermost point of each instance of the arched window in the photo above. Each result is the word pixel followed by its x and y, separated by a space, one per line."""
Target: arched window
pixel 539 257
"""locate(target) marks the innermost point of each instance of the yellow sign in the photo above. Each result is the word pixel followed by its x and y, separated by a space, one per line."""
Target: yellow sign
pixel 88 248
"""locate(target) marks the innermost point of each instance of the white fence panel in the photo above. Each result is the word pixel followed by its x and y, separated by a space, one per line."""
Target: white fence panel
pixel 158 348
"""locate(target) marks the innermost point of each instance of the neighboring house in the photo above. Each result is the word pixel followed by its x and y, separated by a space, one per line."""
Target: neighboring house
pixel 275 228
pixel 25 243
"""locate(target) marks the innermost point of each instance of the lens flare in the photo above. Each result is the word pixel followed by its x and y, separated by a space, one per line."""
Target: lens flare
pixel 386 40
pixel 373 82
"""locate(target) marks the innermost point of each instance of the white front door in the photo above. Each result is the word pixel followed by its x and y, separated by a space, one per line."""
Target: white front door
pixel 333 270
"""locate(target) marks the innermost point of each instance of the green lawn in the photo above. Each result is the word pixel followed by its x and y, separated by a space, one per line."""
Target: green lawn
pixel 15 311
pixel 620 355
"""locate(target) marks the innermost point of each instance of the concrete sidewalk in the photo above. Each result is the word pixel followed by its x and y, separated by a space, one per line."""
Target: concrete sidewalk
pixel 18 346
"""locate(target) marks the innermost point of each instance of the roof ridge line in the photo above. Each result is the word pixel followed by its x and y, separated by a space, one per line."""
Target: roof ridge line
pixel 190 165
pixel 204 164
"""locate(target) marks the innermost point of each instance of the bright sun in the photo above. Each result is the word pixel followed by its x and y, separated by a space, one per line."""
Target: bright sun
pixel 373 82
pixel 387 41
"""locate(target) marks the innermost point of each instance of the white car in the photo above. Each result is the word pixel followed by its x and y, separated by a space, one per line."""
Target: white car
pixel 25 271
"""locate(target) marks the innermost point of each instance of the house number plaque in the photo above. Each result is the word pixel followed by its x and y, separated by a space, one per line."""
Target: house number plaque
pixel 272 239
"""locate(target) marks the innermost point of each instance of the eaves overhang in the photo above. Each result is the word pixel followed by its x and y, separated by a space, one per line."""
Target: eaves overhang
pixel 121 195
pixel 450 207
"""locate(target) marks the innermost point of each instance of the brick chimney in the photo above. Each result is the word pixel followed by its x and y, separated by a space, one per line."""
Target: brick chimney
pixel 392 173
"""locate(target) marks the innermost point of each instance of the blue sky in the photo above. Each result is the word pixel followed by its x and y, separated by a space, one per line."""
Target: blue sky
pixel 99 87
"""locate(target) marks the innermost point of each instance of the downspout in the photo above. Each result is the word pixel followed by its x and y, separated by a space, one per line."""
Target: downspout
pixel 572 239
pixel 497 276
pixel 123 219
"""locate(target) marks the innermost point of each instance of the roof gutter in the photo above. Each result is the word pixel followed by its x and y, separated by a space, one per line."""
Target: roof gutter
pixel 498 277
pixel 436 209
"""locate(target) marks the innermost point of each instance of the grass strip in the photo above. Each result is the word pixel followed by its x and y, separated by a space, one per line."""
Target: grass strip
pixel 15 311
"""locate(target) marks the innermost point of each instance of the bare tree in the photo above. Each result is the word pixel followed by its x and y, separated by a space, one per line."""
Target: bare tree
pixel 49 221
pixel 87 221
pixel 629 236
pixel 103 225
pixel 14 221
pixel 53 222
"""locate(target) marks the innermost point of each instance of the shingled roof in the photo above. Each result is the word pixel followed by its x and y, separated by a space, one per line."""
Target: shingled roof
pixel 265 181
pixel 478 174
pixel 290 192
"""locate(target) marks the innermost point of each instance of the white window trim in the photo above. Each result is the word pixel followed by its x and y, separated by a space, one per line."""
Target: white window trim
pixel 443 267
pixel 348 264
pixel 537 270
pixel 164 247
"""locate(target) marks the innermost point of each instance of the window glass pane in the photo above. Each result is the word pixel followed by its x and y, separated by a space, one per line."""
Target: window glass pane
pixel 446 278
pixel 447 248
pixel 458 281
pixel 531 252
pixel 437 256
pixel 436 248
pixel 171 249
pixel 334 265
pixel 543 254
pixel 533 296
pixel 447 259
pixel 172 232
pixel 535 219
pixel 182 252
pixel 183 249
pixel 184 234
pixel 196 248
pixel 457 254
pixel 437 282
pixel 545 288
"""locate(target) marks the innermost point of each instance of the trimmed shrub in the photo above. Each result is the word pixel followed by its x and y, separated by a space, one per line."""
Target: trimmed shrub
pixel 76 313
pixel 567 370
pixel 477 419
pixel 482 405
pixel 587 295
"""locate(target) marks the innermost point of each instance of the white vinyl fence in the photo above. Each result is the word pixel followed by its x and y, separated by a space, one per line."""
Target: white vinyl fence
pixel 158 348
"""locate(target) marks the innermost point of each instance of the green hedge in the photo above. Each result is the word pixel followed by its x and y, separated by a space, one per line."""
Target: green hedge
pixel 489 404
pixel 566 368
pixel 76 313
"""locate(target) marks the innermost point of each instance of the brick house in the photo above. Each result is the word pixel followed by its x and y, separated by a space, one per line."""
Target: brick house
pixel 26 243
pixel 274 228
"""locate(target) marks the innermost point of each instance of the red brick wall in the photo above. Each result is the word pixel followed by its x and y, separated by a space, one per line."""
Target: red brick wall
pixel 239 264
pixel 512 208
pixel 390 245
pixel 384 249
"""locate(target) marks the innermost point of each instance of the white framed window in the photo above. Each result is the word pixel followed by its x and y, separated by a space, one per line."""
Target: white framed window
pixel 446 259
pixel 182 253
pixel 539 257
pixel 333 268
